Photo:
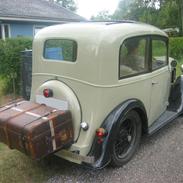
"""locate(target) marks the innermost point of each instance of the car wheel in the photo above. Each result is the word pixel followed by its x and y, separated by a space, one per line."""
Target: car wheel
pixel 126 139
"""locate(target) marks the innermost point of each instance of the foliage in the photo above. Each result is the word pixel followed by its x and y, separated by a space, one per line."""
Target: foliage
pixel 178 68
pixel 10 60
pixel 2 86
pixel 68 4
pixel 102 16
pixel 176 47
pixel 161 13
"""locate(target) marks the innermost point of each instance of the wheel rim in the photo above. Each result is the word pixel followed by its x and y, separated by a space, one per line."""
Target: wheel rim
pixel 125 139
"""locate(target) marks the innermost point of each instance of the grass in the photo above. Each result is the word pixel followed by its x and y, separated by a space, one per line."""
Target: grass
pixel 16 167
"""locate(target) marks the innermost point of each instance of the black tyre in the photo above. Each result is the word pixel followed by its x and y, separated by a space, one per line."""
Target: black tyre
pixel 126 139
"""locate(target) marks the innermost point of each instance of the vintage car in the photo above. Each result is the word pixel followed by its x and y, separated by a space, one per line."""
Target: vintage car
pixel 115 78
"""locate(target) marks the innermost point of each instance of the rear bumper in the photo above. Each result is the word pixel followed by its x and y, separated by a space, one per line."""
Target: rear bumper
pixel 75 157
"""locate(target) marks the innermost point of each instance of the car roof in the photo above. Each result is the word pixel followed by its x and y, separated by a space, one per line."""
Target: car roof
pixel 104 29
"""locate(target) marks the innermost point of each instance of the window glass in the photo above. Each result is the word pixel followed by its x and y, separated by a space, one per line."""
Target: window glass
pixel 60 49
pixel 159 54
pixel 133 57
pixel 6 31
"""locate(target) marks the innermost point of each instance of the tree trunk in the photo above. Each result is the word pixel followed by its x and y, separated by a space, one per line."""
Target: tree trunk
pixel 160 3
pixel 181 14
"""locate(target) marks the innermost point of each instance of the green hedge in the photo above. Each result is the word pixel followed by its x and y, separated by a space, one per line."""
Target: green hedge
pixel 176 47
pixel 10 60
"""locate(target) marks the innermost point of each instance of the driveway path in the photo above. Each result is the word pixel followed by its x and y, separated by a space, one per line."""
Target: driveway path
pixel 159 160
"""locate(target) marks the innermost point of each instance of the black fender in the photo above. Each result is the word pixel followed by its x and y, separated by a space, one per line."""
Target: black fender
pixel 176 95
pixel 180 79
pixel 101 152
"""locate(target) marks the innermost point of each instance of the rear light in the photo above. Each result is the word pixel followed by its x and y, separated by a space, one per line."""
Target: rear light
pixel 48 93
pixel 101 133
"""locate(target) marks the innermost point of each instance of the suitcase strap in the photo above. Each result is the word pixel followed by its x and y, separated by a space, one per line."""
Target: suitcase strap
pixel 52 135
pixel 23 139
pixel 10 105
pixel 21 112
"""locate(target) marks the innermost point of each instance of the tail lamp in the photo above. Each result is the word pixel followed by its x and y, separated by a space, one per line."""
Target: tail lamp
pixel 101 133
pixel 48 92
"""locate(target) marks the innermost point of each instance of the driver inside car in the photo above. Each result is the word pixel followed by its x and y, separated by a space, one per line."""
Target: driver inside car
pixel 132 61
pixel 133 58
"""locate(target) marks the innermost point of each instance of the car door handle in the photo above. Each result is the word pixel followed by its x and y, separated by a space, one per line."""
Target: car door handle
pixel 154 82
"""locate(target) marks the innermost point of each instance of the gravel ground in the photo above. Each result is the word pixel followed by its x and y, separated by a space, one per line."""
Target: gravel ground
pixel 158 160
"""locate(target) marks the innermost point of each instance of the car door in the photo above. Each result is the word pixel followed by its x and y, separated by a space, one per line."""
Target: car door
pixel 161 75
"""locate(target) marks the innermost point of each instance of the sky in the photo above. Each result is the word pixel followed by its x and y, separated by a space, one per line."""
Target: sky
pixel 88 8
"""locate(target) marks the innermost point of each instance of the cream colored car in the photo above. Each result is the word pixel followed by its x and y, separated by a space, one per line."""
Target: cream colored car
pixel 116 79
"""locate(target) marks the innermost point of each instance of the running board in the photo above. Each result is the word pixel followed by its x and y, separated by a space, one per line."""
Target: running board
pixel 164 119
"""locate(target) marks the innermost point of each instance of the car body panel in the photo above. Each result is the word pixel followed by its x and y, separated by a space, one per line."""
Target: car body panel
pixel 160 91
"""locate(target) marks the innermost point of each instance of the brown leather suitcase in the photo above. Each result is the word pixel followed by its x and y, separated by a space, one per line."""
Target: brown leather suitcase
pixel 7 112
pixel 34 129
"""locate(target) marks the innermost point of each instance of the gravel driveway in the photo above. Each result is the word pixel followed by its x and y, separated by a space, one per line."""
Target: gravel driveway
pixel 159 159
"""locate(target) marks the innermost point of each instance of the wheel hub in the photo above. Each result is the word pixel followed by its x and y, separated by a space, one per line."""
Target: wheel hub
pixel 125 138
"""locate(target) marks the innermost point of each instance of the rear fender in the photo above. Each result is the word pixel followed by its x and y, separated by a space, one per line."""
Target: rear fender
pixel 176 95
pixel 101 152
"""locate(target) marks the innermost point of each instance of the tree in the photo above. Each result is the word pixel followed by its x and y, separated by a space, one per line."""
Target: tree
pixel 161 13
pixel 180 3
pixel 102 16
pixel 68 4
pixel 122 10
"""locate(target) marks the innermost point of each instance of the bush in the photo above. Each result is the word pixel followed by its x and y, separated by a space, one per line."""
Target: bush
pixel 10 60
pixel 176 47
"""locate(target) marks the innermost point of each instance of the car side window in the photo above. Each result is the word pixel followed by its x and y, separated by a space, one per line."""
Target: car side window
pixel 133 59
pixel 159 53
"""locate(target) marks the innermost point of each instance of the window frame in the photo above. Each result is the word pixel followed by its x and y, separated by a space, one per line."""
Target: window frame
pixel 147 56
pixel 161 38
pixel 9 32
pixel 75 53
pixel 2 27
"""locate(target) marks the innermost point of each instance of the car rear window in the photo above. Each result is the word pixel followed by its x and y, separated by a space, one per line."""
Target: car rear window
pixel 60 50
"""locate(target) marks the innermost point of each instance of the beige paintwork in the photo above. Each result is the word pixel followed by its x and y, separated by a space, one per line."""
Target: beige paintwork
pixel 93 78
